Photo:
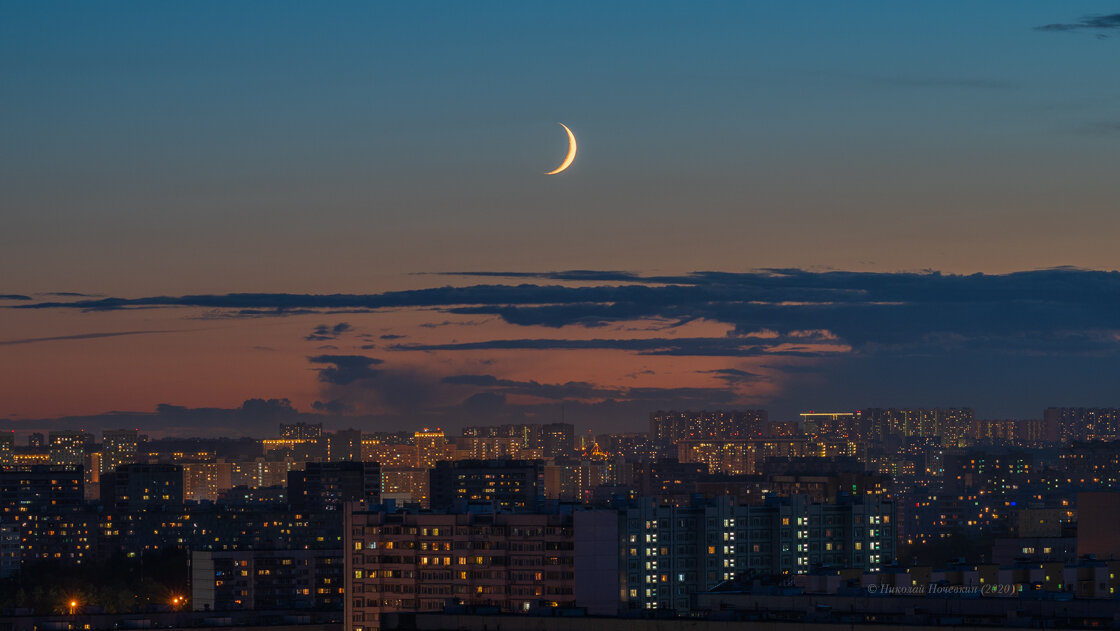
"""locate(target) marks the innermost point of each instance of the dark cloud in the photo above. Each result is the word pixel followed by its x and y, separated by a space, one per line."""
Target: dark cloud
pixel 569 390
pixel 367 347
pixel 437 325
pixel 239 314
pixel 70 294
pixel 391 337
pixel 668 398
pixel 995 385
pixel 572 275
pixel 696 347
pixel 415 397
pixel 269 408
pixel 867 311
pixel 733 376
pixel 345 369
pixel 1087 23
pixel 327 332
pixel 333 407
pixel 83 336
pixel 254 417
pixel 476 380
pixel 14 297
pixel 483 404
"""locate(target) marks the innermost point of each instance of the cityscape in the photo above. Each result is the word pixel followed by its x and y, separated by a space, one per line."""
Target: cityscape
pixel 630 316
pixel 704 514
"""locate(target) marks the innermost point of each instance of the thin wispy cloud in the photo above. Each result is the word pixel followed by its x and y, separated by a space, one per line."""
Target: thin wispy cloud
pixel 328 332
pixel 70 294
pixel 693 347
pixel 1096 23
pixel 84 336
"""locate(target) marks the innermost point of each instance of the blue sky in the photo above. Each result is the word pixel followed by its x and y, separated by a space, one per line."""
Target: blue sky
pixel 151 149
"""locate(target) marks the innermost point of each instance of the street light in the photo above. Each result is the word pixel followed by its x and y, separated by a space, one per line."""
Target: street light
pixel 73 606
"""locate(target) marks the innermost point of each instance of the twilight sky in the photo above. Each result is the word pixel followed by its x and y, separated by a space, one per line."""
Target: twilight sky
pixel 344 206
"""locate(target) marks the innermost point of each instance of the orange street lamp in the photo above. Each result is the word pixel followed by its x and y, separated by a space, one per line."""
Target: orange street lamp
pixel 73 606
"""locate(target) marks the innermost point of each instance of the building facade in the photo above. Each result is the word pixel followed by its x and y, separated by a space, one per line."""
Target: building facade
pixel 510 485
pixel 420 562
pixel 673 552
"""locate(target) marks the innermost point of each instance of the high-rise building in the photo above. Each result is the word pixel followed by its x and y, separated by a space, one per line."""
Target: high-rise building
pixel 62 537
pixel 496 448
pixel 135 488
pixel 431 447
pixel 528 436
pixel 301 431
pixel 261 472
pixel 672 552
pixel 997 471
pixel 557 439
pixel 950 424
pixel 118 447
pixel 7 448
pixel 833 425
pixel 92 466
pixel 577 480
pixel 328 485
pixel 743 457
pixel 36 440
pixel 631 445
pixel 266 579
pixel 418 562
pixel 1019 432
pixel 31 489
pixel 9 549
pixel 667 428
pixel 390 454
pixel 68 448
pixel 405 485
pixel 345 444
pixel 1097 516
pixel 509 485
pixel 206 481
pixel 1069 425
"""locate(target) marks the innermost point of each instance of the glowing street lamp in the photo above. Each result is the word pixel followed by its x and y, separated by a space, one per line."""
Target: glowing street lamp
pixel 73 606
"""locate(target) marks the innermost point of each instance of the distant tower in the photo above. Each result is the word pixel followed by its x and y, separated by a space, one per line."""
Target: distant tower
pixel 68 448
pixel 431 447
pixel 7 448
pixel 118 446
pixel 301 431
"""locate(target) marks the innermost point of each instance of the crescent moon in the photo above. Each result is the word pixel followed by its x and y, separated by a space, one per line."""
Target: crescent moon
pixel 571 157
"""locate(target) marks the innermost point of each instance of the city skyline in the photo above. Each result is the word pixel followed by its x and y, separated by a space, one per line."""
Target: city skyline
pixel 421 316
